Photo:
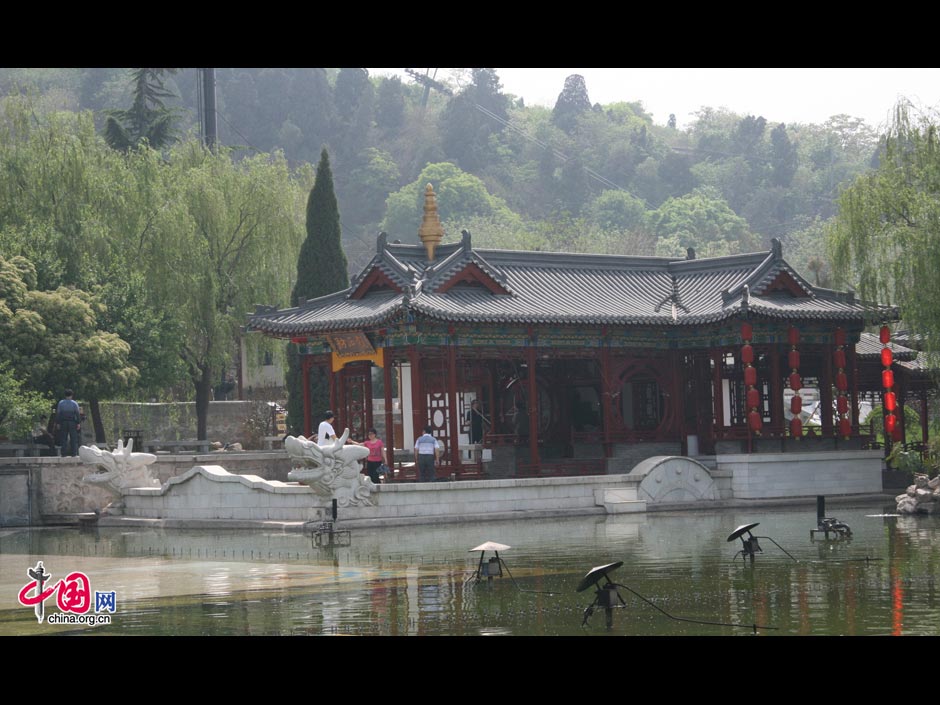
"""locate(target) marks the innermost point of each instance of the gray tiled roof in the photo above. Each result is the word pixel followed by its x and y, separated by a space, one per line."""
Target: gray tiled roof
pixel 869 347
pixel 564 288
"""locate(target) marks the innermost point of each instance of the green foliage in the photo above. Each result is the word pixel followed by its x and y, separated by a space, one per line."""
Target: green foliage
pixel 617 210
pixel 805 249
pixel 375 177
pixel 459 195
pixel 784 159
pixel 53 340
pixel 876 421
pixel 148 120
pixel 321 266
pixel 466 131
pixel 572 102
pixel 20 408
pixel 886 238
pixel 390 104
pixel 321 270
pixel 231 240
pixel 701 220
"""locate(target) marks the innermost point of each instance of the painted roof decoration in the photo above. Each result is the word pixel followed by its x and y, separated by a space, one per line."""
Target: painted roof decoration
pixel 463 284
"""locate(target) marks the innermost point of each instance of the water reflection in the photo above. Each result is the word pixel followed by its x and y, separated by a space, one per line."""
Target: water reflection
pixel 413 580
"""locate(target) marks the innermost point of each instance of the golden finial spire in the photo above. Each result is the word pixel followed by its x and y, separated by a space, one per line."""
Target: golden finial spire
pixel 431 231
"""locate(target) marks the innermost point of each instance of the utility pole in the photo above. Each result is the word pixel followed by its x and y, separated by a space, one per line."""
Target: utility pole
pixel 210 128
pixel 428 82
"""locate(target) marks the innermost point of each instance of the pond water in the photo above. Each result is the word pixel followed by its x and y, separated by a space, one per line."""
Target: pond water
pixel 413 580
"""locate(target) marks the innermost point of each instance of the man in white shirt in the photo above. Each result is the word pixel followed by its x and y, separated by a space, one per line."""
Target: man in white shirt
pixel 427 451
pixel 326 434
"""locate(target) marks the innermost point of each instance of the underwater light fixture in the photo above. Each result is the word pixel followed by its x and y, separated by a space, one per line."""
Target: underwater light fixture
pixel 492 568
pixel 750 546
pixel 606 597
pixel 826 525
pixel 325 535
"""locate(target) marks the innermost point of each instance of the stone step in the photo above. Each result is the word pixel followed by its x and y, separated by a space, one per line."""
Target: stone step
pixel 619 500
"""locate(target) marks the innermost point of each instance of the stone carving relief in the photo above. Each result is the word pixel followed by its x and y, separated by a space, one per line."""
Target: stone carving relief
pixel 332 471
pixel 118 470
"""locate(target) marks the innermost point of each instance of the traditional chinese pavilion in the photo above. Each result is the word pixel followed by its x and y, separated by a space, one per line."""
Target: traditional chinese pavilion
pixel 585 363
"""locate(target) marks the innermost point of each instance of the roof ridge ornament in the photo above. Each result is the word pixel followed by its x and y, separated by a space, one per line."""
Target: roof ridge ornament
pixel 672 297
pixel 776 246
pixel 431 231
pixel 381 242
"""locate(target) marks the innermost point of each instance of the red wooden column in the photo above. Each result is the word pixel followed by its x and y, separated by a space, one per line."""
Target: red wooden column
pixel 305 368
pixel 776 390
pixel 453 430
pixel 606 395
pixel 334 386
pixel 338 382
pixel 678 402
pixel 533 402
pixel 389 417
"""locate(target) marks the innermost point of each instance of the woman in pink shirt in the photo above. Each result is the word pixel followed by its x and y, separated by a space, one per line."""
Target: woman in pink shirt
pixel 376 455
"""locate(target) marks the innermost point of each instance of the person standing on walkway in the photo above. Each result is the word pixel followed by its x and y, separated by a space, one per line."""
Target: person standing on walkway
pixel 68 417
pixel 427 452
pixel 325 433
pixel 376 455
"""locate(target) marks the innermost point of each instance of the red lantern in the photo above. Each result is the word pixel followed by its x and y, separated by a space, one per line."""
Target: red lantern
pixel 796 427
pixel 840 336
pixel 794 359
pixel 753 398
pixel 839 358
pixel 887 379
pixel 796 404
pixel 795 381
pixel 750 376
pixel 842 382
pixel 747 354
pixel 891 422
pixel 885 336
pixel 747 331
pixel 845 427
pixel 793 335
pixel 891 401
pixel 755 421
pixel 886 357
pixel 842 404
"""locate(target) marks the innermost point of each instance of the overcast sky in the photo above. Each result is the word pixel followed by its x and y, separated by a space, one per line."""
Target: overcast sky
pixel 780 95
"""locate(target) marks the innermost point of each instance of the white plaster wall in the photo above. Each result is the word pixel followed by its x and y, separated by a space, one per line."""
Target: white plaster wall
pixel 768 475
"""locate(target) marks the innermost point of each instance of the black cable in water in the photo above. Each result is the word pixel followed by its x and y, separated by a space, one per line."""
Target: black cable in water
pixel 777 545
pixel 755 627
pixel 476 574
pixel 536 592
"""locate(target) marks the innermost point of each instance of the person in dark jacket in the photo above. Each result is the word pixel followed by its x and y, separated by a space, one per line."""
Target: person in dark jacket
pixel 68 417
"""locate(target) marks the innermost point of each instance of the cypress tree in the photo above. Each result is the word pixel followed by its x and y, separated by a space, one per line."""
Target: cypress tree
pixel 321 270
